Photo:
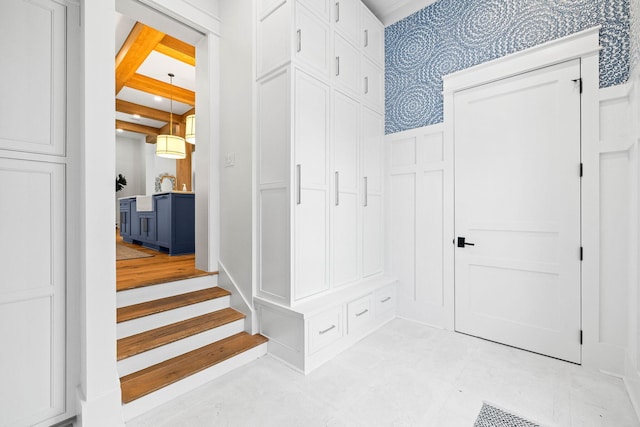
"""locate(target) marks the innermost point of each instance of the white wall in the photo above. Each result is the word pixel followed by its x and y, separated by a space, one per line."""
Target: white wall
pixel 130 162
pixel 415 222
pixel 236 123
pixel 155 166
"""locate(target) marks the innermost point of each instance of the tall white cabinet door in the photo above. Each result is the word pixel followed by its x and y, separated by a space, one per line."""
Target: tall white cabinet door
pixel 345 231
pixel 312 40
pixel 273 173
pixel 372 41
pixel 347 18
pixel 32 291
pixel 311 136
pixel 372 181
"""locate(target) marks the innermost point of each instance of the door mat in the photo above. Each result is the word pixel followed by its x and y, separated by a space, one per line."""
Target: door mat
pixel 490 416
pixel 124 252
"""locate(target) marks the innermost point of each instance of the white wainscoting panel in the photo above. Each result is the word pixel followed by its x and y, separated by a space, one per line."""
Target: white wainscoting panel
pixel 415 165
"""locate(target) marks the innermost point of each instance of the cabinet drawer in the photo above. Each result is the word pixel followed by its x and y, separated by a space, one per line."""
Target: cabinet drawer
pixel 385 300
pixel 325 329
pixel 359 313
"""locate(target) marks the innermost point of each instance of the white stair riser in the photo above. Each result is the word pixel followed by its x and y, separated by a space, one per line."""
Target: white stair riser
pixel 162 290
pixel 146 323
pixel 168 351
pixel 165 394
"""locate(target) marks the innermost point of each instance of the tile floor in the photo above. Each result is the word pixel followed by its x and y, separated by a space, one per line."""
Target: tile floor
pixel 405 374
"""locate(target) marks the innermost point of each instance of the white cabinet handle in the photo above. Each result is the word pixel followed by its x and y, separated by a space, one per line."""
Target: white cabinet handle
pixel 366 38
pixel 366 310
pixel 337 65
pixel 366 85
pixel 337 188
pixel 298 184
pixel 337 11
pixel 299 33
pixel 366 192
pixel 327 330
pixel 385 300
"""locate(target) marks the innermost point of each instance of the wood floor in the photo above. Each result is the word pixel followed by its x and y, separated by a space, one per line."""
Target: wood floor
pixel 160 268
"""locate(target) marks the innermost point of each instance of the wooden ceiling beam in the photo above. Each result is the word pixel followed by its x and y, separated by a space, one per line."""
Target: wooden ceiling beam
pixel 177 49
pixel 134 127
pixel 141 41
pixel 146 112
pixel 160 88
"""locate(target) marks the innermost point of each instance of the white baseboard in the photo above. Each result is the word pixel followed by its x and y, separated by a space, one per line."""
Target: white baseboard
pixel 632 383
pixel 104 411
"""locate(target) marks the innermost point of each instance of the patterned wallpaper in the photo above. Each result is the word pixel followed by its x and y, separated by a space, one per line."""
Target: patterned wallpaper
pixel 452 35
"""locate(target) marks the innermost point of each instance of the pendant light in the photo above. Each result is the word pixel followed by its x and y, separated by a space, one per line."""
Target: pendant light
pixel 190 129
pixel 171 146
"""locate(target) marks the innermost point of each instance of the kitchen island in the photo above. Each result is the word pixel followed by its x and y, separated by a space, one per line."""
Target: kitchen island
pixel 164 221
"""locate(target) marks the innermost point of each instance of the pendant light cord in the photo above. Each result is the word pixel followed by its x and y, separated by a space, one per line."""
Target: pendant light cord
pixel 171 104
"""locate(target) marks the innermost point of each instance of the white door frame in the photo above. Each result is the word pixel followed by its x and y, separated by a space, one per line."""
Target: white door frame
pixel 207 182
pixel 585 46
pixel 98 396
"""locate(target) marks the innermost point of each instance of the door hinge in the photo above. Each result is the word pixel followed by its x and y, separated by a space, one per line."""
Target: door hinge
pixel 580 336
pixel 579 82
pixel 581 253
pixel 581 169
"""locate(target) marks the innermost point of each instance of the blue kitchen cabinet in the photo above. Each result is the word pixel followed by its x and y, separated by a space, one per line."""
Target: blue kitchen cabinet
pixel 169 227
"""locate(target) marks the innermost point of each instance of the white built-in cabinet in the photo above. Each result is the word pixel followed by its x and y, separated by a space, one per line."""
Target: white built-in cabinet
pixel 37 386
pixel 320 128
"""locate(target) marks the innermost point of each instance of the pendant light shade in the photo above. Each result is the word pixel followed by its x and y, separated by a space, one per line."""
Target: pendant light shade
pixel 190 129
pixel 171 146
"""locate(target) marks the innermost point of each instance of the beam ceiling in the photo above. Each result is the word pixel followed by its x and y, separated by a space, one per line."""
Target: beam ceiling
pixel 142 40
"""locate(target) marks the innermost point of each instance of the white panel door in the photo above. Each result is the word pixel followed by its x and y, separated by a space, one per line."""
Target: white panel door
pixel 372 185
pixel 311 137
pixel 32 104
pixel 344 228
pixel 517 200
pixel 32 291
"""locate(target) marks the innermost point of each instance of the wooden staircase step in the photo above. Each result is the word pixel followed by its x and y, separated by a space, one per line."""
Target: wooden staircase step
pixel 164 304
pixel 155 377
pixel 139 343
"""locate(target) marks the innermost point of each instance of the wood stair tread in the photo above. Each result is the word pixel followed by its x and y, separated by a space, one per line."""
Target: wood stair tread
pixel 148 340
pixel 169 303
pixel 155 377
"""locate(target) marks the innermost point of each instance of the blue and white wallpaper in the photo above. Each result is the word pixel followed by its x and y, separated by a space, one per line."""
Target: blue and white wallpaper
pixel 451 35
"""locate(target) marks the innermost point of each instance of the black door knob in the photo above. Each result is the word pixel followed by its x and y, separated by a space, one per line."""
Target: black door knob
pixel 462 243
